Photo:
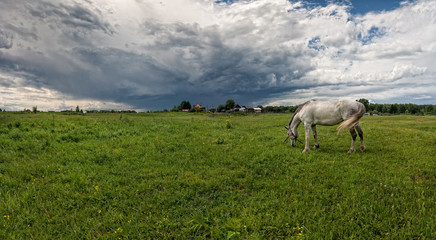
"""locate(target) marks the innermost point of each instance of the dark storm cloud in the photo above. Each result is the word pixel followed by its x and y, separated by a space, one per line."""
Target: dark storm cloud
pixel 6 40
pixel 100 73
pixel 213 67
pixel 74 17
pixel 125 72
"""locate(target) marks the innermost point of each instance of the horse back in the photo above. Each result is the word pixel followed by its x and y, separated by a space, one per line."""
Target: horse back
pixel 328 112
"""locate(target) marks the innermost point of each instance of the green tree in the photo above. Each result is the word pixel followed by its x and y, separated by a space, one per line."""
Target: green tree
pixel 221 108
pixel 412 108
pixel 402 108
pixel 185 105
pixel 429 109
pixel 230 104
pixel 386 108
pixel 175 109
pixel 77 108
pixel 379 108
pixel 35 109
pixel 197 108
pixel 394 108
pixel 293 109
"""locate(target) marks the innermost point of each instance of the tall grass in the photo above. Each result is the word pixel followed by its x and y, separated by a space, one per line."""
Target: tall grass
pixel 198 176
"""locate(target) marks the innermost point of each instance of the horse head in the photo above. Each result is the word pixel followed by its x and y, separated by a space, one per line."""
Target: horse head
pixel 292 136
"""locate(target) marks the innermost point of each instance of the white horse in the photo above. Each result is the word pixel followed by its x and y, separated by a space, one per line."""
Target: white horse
pixel 327 113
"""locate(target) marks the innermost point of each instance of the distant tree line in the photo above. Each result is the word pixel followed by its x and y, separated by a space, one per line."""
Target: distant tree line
pixel 280 109
pixel 402 109
pixel 372 108
pixel 396 108
pixel 111 111
pixel 186 106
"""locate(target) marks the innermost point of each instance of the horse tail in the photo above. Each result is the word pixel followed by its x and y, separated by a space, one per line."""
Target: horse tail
pixel 353 120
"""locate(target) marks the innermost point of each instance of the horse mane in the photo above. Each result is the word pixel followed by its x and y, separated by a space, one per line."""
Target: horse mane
pixel 298 110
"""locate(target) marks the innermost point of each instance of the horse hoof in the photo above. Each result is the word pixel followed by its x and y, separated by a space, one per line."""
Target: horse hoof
pixel 362 149
pixel 315 147
pixel 305 150
pixel 351 151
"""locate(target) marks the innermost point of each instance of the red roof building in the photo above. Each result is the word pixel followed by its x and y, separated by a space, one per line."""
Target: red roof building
pixel 199 108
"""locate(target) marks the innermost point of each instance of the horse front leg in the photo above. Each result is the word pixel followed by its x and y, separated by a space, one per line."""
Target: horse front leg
pixel 307 136
pixel 315 136
pixel 353 140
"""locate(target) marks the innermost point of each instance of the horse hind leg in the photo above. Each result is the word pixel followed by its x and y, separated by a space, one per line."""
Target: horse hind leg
pixel 353 140
pixel 315 136
pixel 359 130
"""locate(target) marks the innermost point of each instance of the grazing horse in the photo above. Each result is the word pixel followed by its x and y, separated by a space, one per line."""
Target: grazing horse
pixel 327 113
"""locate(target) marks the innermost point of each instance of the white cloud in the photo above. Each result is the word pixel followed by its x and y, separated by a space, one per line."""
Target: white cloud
pixel 375 93
pixel 20 98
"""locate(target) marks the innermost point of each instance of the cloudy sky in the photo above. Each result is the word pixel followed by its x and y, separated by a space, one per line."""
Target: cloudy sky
pixel 152 54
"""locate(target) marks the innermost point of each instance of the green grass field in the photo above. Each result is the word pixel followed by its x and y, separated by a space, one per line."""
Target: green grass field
pixel 201 176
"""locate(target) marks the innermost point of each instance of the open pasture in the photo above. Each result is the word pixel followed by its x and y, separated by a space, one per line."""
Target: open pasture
pixel 201 176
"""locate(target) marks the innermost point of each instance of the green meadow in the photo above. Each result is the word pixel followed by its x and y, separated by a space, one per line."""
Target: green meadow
pixel 205 176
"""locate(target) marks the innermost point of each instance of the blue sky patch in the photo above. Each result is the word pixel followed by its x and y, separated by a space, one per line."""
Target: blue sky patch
pixel 358 6
pixel 226 1
pixel 315 43
pixel 374 32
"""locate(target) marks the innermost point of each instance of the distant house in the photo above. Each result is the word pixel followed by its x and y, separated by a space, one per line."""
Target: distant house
pixel 199 108
pixel 237 108
pixel 247 109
